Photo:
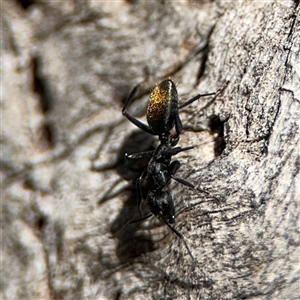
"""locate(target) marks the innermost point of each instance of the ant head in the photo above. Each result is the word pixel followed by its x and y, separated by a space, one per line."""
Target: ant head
pixel 161 205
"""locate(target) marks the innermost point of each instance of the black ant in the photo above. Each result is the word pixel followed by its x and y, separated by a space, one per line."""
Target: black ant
pixel 162 115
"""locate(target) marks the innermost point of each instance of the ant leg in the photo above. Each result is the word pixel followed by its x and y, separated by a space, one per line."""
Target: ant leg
pixel 138 155
pixel 182 238
pixel 174 151
pixel 178 128
pixel 188 184
pixel 149 154
pixel 194 99
pixel 184 182
pixel 173 168
pixel 133 120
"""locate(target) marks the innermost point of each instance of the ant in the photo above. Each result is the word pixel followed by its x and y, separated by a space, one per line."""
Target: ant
pixel 162 115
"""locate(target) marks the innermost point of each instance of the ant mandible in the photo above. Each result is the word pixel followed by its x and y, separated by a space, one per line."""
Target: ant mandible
pixel 162 115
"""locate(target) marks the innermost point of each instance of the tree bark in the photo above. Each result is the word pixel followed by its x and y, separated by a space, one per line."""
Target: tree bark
pixel 67 191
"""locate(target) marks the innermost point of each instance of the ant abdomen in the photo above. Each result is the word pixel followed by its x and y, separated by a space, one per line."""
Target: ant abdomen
pixel 162 108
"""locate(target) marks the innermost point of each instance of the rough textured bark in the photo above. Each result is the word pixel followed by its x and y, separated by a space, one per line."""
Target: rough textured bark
pixel 67 190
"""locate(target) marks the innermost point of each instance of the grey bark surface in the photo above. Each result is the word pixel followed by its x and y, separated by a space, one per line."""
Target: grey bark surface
pixel 66 191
